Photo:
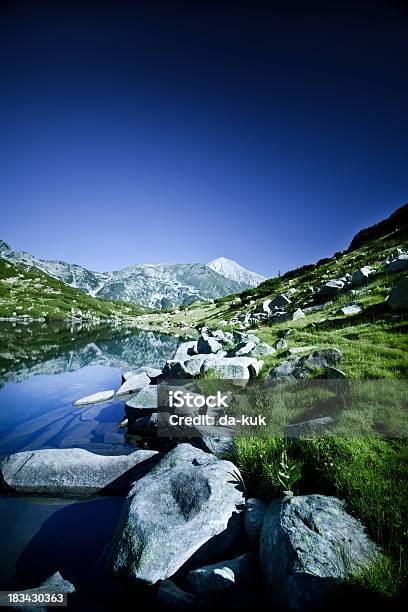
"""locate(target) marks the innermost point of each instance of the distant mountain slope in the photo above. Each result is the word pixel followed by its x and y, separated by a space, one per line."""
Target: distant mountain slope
pixel 232 270
pixel 29 293
pixel 150 285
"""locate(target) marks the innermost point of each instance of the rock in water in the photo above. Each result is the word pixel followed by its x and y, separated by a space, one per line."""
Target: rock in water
pixel 398 298
pixel 72 471
pixel 308 546
pixel 101 396
pixel 135 382
pixel 54 583
pixel 179 507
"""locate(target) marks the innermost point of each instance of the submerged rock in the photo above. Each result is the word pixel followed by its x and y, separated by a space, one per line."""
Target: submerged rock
pixel 72 471
pixel 180 507
pixel 309 545
pixel 100 396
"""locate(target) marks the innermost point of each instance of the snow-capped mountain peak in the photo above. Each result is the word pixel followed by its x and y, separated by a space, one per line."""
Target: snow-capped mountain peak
pixel 234 271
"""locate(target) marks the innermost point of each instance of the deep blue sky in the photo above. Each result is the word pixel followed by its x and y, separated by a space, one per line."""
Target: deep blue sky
pixel 182 131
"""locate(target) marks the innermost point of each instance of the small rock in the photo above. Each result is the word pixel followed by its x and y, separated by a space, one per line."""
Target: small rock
pixel 351 309
pixel 361 275
pixel 262 350
pixel 312 426
pixel 281 344
pixel 243 348
pixel 101 396
pixel 236 573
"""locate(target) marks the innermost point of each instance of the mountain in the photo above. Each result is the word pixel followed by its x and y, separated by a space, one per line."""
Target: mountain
pixel 232 270
pixel 150 285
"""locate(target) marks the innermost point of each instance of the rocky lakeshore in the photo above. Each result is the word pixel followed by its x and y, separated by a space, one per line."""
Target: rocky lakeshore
pixel 189 531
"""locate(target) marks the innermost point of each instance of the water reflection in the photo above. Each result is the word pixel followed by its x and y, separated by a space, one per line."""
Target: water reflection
pixel 53 348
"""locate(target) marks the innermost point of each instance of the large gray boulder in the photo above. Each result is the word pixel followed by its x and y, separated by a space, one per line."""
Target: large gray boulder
pixel 309 545
pixel 238 573
pixel 243 348
pixel 398 298
pixel 190 502
pixel 145 400
pixel 331 288
pixel 72 471
pixel 237 369
pixel 280 301
pixel 263 307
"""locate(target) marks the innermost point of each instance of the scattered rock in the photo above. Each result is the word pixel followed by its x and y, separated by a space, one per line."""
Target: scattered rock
pixel 101 396
pixel 361 275
pixel 398 264
pixel 398 298
pixel 300 349
pixel 298 314
pixel 237 369
pixel 351 309
pixel 331 288
pixel 236 573
pixel 253 519
pixel 174 511
pixel 303 367
pixel 309 545
pixel 145 400
pixel 135 382
pixel 281 344
pixel 262 350
pixel 71 471
pixel 309 427
pixel 207 345
pixel 243 348
pixel 280 301
pixel 185 350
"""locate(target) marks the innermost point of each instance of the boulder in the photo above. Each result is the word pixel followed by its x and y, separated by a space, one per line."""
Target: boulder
pixel 280 301
pixel 243 348
pixel 236 369
pixel 185 350
pixel 223 337
pixel 170 596
pixel 298 314
pixel 361 275
pixel 262 349
pixel 263 307
pixel 245 336
pixel 398 298
pixel 253 519
pixel 236 573
pixel 189 508
pixel 331 288
pixel 218 445
pixel 72 471
pixel 145 400
pixel 152 373
pixel 309 545
pixel 303 367
pixel 281 344
pixel 399 263
pixel 100 396
pixel 189 368
pixel 134 383
pixel 207 345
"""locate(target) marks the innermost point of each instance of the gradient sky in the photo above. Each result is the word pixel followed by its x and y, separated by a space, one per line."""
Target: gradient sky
pixel 135 132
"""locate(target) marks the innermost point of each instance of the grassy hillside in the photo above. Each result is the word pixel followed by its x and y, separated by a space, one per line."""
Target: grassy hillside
pixel 30 293
pixel 370 473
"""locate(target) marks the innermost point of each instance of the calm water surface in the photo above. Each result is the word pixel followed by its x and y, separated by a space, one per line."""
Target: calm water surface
pixel 43 370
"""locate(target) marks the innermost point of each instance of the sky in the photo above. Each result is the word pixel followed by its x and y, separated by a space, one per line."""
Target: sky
pixel 147 132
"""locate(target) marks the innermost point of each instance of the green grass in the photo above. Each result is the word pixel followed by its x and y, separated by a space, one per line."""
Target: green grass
pixel 30 293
